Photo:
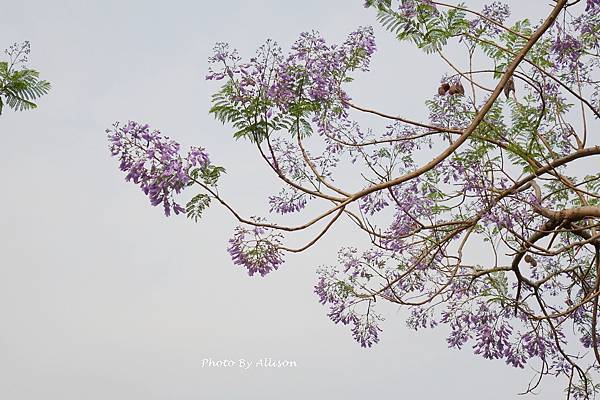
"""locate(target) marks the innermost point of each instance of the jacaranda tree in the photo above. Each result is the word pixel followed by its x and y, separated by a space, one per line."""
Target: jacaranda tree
pixel 19 85
pixel 507 162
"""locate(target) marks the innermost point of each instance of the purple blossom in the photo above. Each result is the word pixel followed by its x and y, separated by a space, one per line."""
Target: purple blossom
pixel 497 11
pixel 197 157
pixel 256 248
pixel 339 295
pixel 366 332
pixel 421 317
pixel 515 356
pixel 287 159
pixel 449 111
pixel 223 62
pixel 409 201
pixel 374 202
pixel 365 329
pixel 536 345
pixel 154 162
pixel 409 8
pixel 358 48
pixel 491 337
pixel 566 49
pixel 587 27
pixel 592 6
pixel 315 70
pixel 459 335
pixel 287 201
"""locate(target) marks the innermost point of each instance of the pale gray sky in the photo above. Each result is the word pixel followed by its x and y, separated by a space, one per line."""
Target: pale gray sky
pixel 101 297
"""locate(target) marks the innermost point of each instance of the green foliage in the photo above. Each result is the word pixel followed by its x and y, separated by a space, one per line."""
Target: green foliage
pixel 509 45
pixel 593 185
pixel 343 289
pixel 429 29
pixel 250 116
pixel 20 87
pixel 247 117
pixel 503 48
pixel 301 127
pixel 209 175
pixel 196 206
pixel 499 282
pixel 380 4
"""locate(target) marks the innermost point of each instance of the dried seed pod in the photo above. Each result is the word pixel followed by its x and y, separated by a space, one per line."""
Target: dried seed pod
pixel 510 85
pixel 457 88
pixel 460 89
pixel 444 87
pixel 530 260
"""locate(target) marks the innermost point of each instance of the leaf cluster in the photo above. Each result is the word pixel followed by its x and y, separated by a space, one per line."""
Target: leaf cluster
pixel 19 88
pixel 251 117
pixel 196 206
pixel 429 29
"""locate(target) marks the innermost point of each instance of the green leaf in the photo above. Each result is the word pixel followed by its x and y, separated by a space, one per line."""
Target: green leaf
pixel 22 87
pixel 196 206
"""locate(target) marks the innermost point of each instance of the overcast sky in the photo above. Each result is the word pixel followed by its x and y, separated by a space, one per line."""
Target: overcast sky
pixel 102 297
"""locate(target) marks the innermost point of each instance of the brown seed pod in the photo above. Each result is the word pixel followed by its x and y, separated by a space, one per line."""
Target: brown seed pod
pixel 457 88
pixel 510 85
pixel 460 89
pixel 444 87
pixel 530 260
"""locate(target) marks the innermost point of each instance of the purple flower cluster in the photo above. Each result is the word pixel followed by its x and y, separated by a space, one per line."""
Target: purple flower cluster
pixel 154 162
pixel 574 45
pixel 411 200
pixel 336 288
pixel 287 201
pixel 592 6
pixel 495 11
pixel 449 111
pixel 421 317
pixel 493 335
pixel 374 202
pixel 366 331
pixel 358 49
pixel 567 49
pixel 409 8
pixel 313 70
pixel 256 248
pixel 287 159
pixel 343 308
pixel 587 26
pixel 223 62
